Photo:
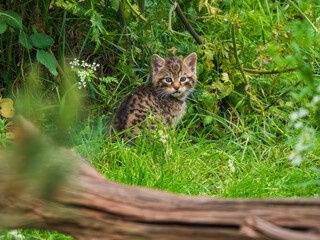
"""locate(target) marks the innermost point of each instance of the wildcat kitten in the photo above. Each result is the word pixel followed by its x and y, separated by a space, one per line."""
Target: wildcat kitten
pixel 172 79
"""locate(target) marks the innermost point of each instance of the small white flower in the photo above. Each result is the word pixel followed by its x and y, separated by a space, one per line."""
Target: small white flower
pixel 169 151
pixel 298 125
pixel 232 168
pixel 316 99
pixel 303 112
pixel 15 235
pixel 294 116
pixel 163 137
pixel 296 158
pixel 301 147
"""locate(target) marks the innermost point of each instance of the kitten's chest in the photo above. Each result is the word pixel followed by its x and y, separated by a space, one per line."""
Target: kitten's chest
pixel 172 110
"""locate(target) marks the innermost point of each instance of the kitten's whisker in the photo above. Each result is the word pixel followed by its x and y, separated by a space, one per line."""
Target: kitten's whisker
pixel 163 94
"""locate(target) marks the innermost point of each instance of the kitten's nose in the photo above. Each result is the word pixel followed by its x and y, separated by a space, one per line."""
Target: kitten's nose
pixel 176 88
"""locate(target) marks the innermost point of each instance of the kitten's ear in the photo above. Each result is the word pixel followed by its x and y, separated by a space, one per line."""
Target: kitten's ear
pixel 191 62
pixel 157 63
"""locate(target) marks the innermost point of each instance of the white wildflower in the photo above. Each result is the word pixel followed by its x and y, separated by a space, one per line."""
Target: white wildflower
pixel 294 116
pixel 298 125
pixel 169 151
pixel 232 168
pixel 84 71
pixel 303 112
pixel 163 137
pixel 13 235
pixel 316 99
pixel 300 147
pixel 296 158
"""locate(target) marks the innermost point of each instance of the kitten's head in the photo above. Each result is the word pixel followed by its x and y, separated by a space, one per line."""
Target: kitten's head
pixel 174 76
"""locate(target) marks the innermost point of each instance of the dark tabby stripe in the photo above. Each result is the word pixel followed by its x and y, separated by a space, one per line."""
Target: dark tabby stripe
pixel 158 96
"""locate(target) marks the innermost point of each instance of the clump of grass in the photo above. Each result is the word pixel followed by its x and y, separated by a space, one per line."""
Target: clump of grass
pixel 253 165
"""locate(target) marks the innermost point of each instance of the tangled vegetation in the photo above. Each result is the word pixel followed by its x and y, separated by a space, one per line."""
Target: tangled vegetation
pixel 251 127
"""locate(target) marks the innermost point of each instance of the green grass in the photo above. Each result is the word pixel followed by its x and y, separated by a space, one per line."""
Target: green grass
pixel 221 149
pixel 253 165
pixel 32 235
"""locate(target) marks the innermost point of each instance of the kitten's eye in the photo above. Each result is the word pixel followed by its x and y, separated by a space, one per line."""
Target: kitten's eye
pixel 169 79
pixel 183 79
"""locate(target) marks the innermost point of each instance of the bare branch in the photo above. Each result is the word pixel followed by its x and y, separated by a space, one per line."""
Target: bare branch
pixel 186 23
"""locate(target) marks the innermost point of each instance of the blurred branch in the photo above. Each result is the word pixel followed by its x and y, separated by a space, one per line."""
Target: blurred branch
pixel 88 206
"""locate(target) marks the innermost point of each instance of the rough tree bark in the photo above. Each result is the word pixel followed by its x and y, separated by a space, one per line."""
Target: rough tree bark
pixel 88 206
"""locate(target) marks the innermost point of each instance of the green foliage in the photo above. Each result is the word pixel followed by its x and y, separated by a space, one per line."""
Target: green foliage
pixel 3 27
pixel 38 40
pixel 223 147
pixel 41 40
pixel 5 135
pixel 11 18
pixel 25 40
pixel 115 4
pixel 48 60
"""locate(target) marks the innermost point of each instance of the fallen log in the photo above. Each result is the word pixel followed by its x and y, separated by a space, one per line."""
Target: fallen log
pixel 88 206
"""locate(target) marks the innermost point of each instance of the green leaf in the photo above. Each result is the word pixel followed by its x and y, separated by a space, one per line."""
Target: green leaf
pixel 24 40
pixel 48 60
pixel 3 27
pixel 207 99
pixel 41 40
pixel 224 88
pixel 12 18
pixel 115 4
pixel 102 88
pixel 108 80
pixel 207 120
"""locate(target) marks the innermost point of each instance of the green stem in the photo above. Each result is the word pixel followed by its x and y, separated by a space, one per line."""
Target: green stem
pixel 142 5
pixel 235 50
pixel 254 71
pixel 239 64
pixel 305 16
pixel 60 70
pixel 10 51
pixel 135 11
pixel 173 7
